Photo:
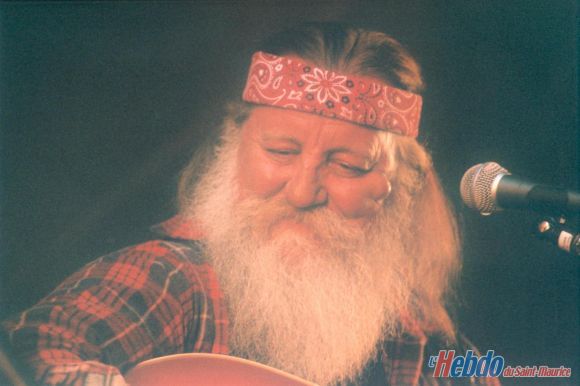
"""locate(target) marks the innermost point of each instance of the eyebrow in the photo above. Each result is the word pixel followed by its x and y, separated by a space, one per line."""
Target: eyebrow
pixel 269 137
pixel 372 156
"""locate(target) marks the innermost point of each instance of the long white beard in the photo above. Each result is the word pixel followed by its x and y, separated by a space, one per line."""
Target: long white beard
pixel 314 306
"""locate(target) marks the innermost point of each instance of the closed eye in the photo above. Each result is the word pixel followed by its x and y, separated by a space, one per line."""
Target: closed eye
pixel 282 151
pixel 351 170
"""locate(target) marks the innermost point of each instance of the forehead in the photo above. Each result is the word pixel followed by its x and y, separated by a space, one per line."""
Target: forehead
pixel 269 123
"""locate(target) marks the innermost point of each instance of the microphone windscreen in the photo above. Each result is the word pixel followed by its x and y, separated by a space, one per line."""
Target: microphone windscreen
pixel 477 186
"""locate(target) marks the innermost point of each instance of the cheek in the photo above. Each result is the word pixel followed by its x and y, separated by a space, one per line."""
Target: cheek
pixel 359 198
pixel 257 175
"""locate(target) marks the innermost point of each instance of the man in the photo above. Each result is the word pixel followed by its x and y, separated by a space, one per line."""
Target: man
pixel 316 239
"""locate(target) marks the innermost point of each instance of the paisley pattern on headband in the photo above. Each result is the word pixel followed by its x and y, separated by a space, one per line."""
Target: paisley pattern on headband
pixel 292 83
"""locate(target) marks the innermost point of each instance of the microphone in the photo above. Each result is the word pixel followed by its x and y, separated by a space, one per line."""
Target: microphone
pixel 488 188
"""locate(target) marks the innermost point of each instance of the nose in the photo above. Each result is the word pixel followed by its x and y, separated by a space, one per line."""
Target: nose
pixel 304 190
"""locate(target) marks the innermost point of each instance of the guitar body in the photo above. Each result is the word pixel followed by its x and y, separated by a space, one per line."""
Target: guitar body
pixel 208 370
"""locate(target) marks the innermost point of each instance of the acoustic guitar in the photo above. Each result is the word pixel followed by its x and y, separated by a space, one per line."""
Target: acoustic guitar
pixel 208 370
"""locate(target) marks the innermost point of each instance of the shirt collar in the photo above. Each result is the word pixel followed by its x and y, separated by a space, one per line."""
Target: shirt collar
pixel 178 227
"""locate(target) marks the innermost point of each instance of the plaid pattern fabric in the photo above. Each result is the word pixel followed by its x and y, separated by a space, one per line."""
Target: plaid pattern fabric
pixel 155 299
pixel 145 301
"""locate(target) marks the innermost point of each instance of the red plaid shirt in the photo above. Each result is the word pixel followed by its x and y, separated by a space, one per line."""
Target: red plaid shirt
pixel 157 298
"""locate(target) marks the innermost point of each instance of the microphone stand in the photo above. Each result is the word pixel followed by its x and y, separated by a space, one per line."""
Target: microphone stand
pixel 555 232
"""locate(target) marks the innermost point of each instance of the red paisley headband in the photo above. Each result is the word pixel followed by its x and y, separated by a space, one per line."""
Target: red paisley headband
pixel 291 83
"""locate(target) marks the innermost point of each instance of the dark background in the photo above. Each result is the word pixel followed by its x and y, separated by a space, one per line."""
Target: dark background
pixel 101 105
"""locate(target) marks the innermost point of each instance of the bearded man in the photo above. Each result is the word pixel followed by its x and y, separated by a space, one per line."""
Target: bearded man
pixel 316 239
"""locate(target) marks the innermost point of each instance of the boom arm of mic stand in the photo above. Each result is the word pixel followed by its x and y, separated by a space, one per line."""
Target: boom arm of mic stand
pixel 553 231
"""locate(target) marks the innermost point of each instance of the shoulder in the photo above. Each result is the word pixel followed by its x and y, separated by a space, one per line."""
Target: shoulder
pixel 161 251
pixel 164 264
